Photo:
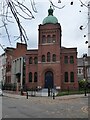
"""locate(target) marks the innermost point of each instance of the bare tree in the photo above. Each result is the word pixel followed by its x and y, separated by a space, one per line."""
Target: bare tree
pixel 16 9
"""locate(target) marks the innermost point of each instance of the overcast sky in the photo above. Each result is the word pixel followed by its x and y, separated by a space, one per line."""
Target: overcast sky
pixel 69 17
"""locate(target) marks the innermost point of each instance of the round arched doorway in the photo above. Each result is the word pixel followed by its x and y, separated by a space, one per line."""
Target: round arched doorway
pixel 49 79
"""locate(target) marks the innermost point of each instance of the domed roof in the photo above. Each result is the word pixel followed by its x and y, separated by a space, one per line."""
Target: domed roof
pixel 50 18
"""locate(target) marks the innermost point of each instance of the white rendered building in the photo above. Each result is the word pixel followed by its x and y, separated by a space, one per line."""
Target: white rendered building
pixel 2 68
pixel 17 71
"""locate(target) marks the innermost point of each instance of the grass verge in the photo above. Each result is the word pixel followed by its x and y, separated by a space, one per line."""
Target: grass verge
pixel 72 92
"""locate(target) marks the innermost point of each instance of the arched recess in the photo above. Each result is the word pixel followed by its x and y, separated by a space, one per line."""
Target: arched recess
pixel 49 82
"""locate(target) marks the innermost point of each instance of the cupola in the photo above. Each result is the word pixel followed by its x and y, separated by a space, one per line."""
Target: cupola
pixel 50 18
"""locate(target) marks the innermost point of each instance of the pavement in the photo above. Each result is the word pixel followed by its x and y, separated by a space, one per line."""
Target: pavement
pixel 65 97
pixel 13 94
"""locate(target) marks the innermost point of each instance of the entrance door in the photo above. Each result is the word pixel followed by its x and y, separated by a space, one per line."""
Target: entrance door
pixel 18 75
pixel 48 79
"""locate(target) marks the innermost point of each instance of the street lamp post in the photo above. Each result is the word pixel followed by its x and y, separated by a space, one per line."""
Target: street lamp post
pixel 85 72
pixel 85 92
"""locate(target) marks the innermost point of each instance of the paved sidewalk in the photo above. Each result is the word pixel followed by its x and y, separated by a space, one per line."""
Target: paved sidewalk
pixel 66 97
pixel 17 96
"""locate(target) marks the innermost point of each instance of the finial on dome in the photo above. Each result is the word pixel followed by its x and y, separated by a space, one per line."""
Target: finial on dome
pixel 50 11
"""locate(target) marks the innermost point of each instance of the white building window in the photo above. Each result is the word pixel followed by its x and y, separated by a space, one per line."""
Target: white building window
pixel 80 71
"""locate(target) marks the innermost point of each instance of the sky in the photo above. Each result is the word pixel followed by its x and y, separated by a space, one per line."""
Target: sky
pixel 69 18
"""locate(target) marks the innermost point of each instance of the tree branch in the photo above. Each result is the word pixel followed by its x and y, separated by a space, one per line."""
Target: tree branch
pixel 56 6
pixel 2 47
pixel 6 31
pixel 83 4
pixel 17 9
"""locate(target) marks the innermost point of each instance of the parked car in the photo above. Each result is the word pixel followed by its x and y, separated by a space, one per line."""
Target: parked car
pixel 1 92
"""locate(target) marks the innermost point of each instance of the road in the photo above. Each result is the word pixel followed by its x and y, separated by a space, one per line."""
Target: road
pixel 44 107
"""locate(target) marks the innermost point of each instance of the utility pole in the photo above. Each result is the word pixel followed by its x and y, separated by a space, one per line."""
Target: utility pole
pixel 89 28
pixel 85 72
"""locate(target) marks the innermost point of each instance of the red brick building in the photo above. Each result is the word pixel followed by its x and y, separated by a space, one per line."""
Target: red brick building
pixel 51 65
pixel 12 54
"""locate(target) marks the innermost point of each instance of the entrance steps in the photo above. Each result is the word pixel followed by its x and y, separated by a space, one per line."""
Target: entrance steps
pixel 44 92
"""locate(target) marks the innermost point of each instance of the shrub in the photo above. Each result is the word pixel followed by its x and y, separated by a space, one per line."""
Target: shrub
pixel 82 83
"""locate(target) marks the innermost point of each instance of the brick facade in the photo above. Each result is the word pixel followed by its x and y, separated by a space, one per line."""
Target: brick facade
pixel 57 68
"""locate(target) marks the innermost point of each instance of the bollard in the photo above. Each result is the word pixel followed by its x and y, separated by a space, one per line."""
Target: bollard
pixel 53 95
pixel 27 94
pixel 48 92
pixel 21 91
pixel 85 91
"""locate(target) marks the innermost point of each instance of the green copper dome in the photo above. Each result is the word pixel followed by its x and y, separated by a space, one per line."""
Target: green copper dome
pixel 50 18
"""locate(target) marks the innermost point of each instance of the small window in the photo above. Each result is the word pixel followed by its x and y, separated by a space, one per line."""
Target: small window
pixel 49 39
pixel 54 38
pixel 43 39
pixel 66 77
pixel 54 58
pixel 35 77
pixel 71 59
pixel 35 60
pixel 48 57
pixel 30 60
pixel 30 77
pixel 43 58
pixel 72 77
pixel 66 59
pixel 79 71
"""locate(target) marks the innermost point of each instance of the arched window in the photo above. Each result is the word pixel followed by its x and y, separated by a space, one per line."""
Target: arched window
pixel 35 77
pixel 49 39
pixel 66 59
pixel 30 60
pixel 43 39
pixel 71 76
pixel 54 58
pixel 43 58
pixel 71 59
pixel 48 57
pixel 35 60
pixel 30 77
pixel 66 77
pixel 54 38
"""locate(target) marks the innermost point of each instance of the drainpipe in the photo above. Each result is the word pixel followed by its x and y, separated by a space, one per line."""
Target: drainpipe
pixel 21 72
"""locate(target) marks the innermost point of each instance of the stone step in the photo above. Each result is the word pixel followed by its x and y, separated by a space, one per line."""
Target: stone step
pixel 42 92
